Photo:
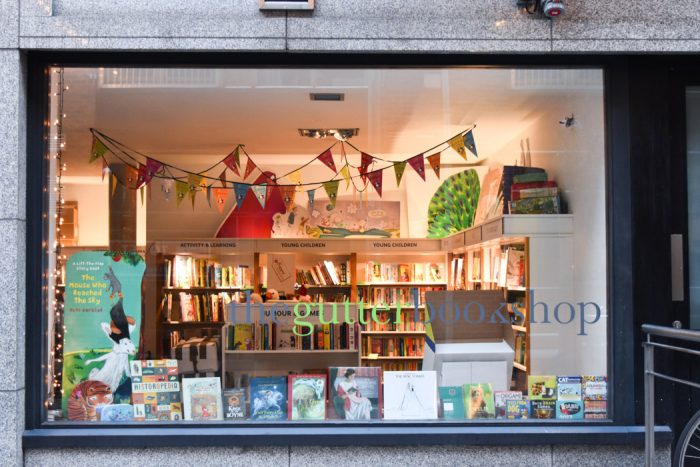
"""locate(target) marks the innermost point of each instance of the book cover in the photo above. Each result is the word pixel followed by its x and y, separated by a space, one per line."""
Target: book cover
pixel 542 387
pixel 307 397
pixel 570 409
pixel 410 395
pixel 202 399
pixel 569 388
pixel 355 393
pixel 595 388
pixel 530 177
pixel 155 390
pixel 478 400
pixel 500 399
pixel 451 402
pixel 268 398
pixel 517 409
pixel 543 409
pixel 243 337
pixel 595 409
pixel 515 268
pixel 543 205
pixel 235 404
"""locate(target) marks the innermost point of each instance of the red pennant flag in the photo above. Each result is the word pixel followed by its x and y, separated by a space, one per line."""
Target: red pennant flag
pixel 418 165
pixel 375 178
pixel 222 177
pixel 249 167
pixel 152 168
pixel 327 158
pixel 232 162
pixel 365 162
pixel 142 176
pixel 434 161
pixel 220 195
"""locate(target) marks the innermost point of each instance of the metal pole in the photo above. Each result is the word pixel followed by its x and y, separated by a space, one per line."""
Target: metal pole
pixel 649 397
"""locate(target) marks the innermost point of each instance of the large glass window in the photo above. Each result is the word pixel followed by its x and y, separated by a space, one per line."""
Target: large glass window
pixel 288 245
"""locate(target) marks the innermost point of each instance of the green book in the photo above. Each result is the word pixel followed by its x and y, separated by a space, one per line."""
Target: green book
pixel 451 402
pixel 530 177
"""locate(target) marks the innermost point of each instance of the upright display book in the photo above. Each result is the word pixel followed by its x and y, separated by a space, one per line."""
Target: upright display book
pixel 595 388
pixel 202 399
pixel 543 409
pixel 569 388
pixel 451 402
pixel 410 395
pixel 570 409
pixel 355 393
pixel 478 400
pixel 307 397
pixel 268 398
pixel 235 404
pixel 155 390
pixel 542 387
pixel 517 409
pixel 595 409
pixel 501 398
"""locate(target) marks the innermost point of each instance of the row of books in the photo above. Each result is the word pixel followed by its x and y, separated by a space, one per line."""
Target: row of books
pixel 196 307
pixel 325 273
pixel 187 272
pixel 329 297
pixel 393 346
pixel 392 296
pixel 376 272
pixel 405 320
pixel 395 365
pixel 533 193
pixel 505 267
pixel 274 336
pixel 520 349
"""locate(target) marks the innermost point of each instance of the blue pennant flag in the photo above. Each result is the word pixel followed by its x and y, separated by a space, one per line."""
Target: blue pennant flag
pixel 240 189
pixel 469 143
pixel 311 194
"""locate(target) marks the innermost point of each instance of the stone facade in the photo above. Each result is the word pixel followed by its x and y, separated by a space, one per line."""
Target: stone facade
pixel 477 26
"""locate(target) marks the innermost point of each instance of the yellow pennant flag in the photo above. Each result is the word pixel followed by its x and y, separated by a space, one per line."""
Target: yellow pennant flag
pixel 141 192
pixel 114 184
pixel 457 143
pixel 181 190
pixel 345 172
pixel 194 182
pixel 295 177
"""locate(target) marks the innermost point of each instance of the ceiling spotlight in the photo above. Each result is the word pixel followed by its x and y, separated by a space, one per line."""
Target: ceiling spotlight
pixel 341 134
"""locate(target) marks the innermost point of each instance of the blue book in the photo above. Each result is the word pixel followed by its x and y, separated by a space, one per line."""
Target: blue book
pixel 570 409
pixel 268 398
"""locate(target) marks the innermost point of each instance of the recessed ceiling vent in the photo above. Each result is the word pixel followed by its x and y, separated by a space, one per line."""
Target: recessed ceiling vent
pixel 327 96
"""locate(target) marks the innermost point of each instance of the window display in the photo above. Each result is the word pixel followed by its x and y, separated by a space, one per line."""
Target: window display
pixel 430 247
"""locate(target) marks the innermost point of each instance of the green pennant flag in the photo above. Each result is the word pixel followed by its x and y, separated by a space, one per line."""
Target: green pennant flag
pixel 331 188
pixel 98 149
pixel 181 190
pixel 399 168
pixel 345 172
pixel 193 183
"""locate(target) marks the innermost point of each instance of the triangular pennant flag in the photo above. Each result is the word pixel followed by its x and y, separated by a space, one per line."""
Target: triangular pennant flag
pixel 295 177
pixel 312 195
pixel 141 192
pixel 209 196
pixel 345 172
pixel 114 184
pixel 365 162
pixel 399 168
pixel 152 169
pixel 457 143
pixel 418 165
pixel 470 143
pixel 141 177
pixel 288 192
pixel 331 188
pixel 98 149
pixel 327 158
pixel 181 190
pixel 240 190
pixel 220 195
pixel 249 167
pixel 375 178
pixel 193 183
pixel 260 192
pixel 167 188
pixel 222 177
pixel 233 161
pixel 105 168
pixel 434 161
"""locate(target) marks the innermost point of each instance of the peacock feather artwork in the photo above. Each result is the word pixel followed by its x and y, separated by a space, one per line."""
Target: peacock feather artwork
pixel 453 205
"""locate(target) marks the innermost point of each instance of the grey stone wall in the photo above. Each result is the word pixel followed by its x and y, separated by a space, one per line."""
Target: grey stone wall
pixel 337 25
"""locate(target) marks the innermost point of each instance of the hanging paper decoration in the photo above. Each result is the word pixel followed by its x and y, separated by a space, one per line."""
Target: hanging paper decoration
pixel 193 183
pixel 105 168
pixel 152 168
pixel 114 184
pixel 399 168
pixel 249 167
pixel 98 149
pixel 181 190
pixel 141 177
pixel 331 188
pixel 418 165
pixel 327 158
pixel 167 188
pixel 434 161
pixel 375 178
pixel 240 190
pixel 295 177
pixel 345 172
pixel 141 188
pixel 288 192
pixel 222 177
pixel 209 195
pixel 365 162
pixel 470 143
pixel 233 161
pixel 457 143
pixel 260 192
pixel 312 195
pixel 220 195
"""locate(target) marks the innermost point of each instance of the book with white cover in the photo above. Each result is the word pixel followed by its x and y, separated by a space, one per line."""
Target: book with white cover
pixel 410 395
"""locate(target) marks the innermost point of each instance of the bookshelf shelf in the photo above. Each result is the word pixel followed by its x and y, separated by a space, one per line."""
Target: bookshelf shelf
pixel 289 352
pixel 193 323
pixel 394 333
pixel 206 289
pixel 519 366
pixel 393 358
pixel 403 284
pixel 339 286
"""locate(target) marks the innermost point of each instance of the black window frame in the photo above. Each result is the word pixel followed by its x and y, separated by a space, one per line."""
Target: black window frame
pixel 622 336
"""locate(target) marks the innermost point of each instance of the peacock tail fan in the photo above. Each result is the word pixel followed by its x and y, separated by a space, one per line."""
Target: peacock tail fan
pixel 453 205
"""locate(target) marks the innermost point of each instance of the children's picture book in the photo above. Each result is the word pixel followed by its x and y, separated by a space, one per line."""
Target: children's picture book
pixel 155 390
pixel 235 404
pixel 410 395
pixel 569 388
pixel 501 398
pixel 542 409
pixel 268 398
pixel 355 393
pixel 202 399
pixel 478 399
pixel 570 409
pixel 595 388
pixel 542 387
pixel 451 402
pixel 595 409
pixel 517 409
pixel 243 336
pixel 307 397
pixel 116 412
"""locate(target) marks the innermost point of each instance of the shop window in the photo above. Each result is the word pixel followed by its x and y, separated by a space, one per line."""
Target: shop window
pixel 432 246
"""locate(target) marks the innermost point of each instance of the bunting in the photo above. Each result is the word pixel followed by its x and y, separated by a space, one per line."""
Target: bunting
pixel 375 178
pixel 240 190
pixel 345 172
pixel 141 188
pixel 331 188
pixel 365 162
pixel 399 169
pixel 457 143
pixel 434 162
pixel 105 168
pixel 260 192
pixel 233 161
pixel 288 193
pixel 311 194
pixel 181 190
pixel 295 177
pixel 327 158
pixel 98 149
pixel 193 183
pixel 222 177
pixel 418 165
pixel 208 188
pixel 470 143
pixel 220 195
pixel 114 184
pixel 249 167
pixel 167 188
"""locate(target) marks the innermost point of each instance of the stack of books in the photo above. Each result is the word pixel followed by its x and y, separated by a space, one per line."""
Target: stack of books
pixel 533 193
